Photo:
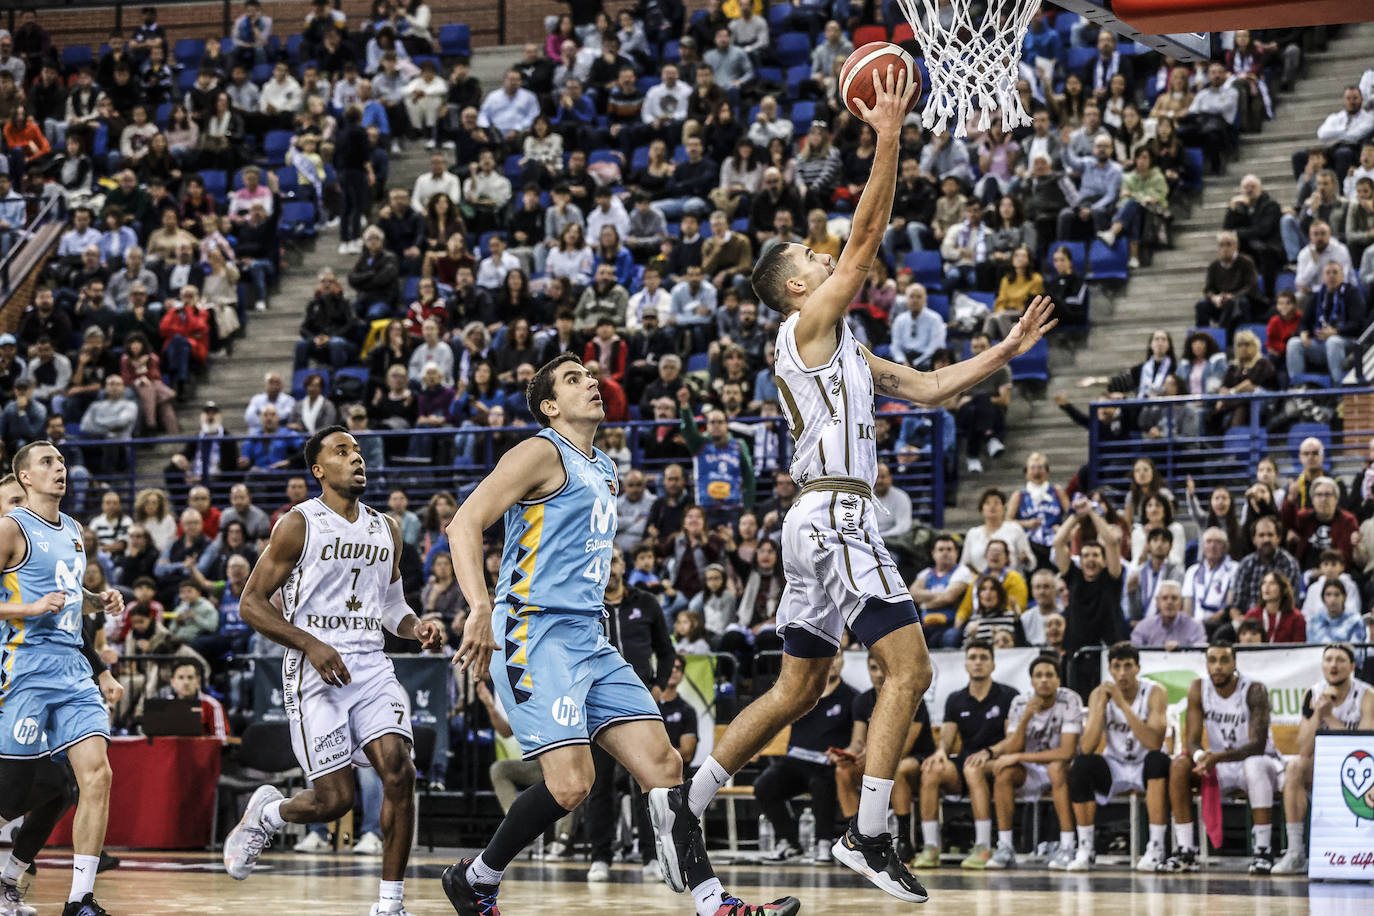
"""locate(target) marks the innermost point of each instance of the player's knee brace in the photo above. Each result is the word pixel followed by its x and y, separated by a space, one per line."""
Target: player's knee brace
pixel 16 780
pixel 1088 773
pixel 1156 765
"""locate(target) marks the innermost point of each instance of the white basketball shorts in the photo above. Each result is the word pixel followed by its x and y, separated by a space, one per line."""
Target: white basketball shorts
pixel 330 726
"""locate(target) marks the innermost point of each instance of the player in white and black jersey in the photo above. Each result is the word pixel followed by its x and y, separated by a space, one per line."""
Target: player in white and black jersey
pixel 839 574
pixel 1043 728
pixel 1240 748
pixel 337 564
pixel 1130 713
pixel 1338 702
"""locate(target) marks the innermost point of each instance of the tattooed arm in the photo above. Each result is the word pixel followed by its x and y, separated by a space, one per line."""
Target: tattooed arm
pixel 928 389
pixel 1257 699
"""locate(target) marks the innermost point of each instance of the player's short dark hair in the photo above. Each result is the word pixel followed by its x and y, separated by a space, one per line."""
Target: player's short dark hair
pixel 8 478
pixel 945 537
pixel 770 277
pixel 984 644
pixel 540 388
pixel 1227 644
pixel 23 456
pixel 1123 650
pixel 1046 659
pixel 185 663
pixel 1345 647
pixel 1159 533
pixel 315 444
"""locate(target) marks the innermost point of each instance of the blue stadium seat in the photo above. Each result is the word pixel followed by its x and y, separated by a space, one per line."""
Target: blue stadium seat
pixel 1033 365
pixel 298 219
pixel 512 168
pixel 1285 280
pixel 803 113
pixel 74 57
pixel 454 40
pixel 777 16
pixel 926 269
pixel 293 46
pixel 226 46
pixel 1236 443
pixel 216 182
pixel 793 48
pixel 354 372
pixel 1259 330
pixel 698 362
pixel 1107 263
pixel 697 17
pixel 1192 175
pixel 164 111
pixel 939 304
pixel 287 177
pixel 275 145
pixel 988 299
pixel 419 59
pixel 261 73
pixel 1078 58
pixel 753 114
pixel 672 52
pixel 1316 379
pixel 1064 21
pixel 410 290
pixel 1078 254
pixel 298 381
pixel 795 76
pixel 883 351
pixel 605 155
pixel 1217 334
pixel 680 154
pixel 188 51
pixel 186 80
pixel 772 74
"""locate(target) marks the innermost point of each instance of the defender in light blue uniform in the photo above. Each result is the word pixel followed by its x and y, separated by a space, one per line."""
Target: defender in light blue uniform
pixel 559 678
pixel 46 691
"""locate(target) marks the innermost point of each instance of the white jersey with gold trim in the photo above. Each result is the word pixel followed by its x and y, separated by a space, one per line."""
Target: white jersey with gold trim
pixel 830 408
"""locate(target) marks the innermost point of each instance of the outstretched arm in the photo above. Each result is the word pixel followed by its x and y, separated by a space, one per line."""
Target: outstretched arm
pixel 927 389
pixel 816 327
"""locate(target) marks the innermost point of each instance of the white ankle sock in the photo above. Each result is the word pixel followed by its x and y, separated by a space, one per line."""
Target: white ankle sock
pixel 873 804
pixel 480 872
pixel 392 891
pixel 1158 832
pixel 1085 837
pixel 930 833
pixel 1295 838
pixel 1003 838
pixel 15 868
pixel 982 832
pixel 708 781
pixel 271 815
pixel 1066 840
pixel 83 876
pixel 1183 837
pixel 708 896
pixel 1264 836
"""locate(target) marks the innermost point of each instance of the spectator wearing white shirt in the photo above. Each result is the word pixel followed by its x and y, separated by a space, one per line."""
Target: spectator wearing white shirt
pixel 895 523
pixel 281 97
pixel 510 109
pixel 1207 582
pixel 432 349
pixel 1363 169
pixel 1345 130
pixel 423 97
pixel 438 180
pixel 918 332
pixel 487 191
pixel 272 394
pixel 609 211
pixel 345 92
pixel 491 272
pixel 651 297
pixel 992 504
pixel 1210 117
pixel 749 32
pixel 767 126
pixel 1323 249
pixel 666 103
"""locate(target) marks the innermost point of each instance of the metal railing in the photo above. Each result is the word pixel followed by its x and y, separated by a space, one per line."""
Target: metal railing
pixel 50 208
pixel 1227 459
pixel 425 462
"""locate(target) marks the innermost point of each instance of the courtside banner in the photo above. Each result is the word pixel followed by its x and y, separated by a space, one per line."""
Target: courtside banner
pixel 1012 667
pixel 1343 807
pixel 1288 672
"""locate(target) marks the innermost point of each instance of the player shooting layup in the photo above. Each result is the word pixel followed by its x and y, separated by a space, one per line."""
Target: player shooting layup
pixel 562 683
pixel 46 689
pixel 337 563
pixel 838 571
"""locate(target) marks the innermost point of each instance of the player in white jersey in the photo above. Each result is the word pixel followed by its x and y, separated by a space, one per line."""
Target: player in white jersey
pixel 1043 728
pixel 1235 711
pixel 1338 702
pixel 337 564
pixel 1131 714
pixel 838 571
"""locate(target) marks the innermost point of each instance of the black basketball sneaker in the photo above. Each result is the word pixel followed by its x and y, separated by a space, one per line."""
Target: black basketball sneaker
pixel 674 826
pixel 86 906
pixel 875 859
pixel 467 898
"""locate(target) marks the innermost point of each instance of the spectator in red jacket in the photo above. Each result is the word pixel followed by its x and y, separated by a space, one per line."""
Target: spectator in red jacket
pixel 24 137
pixel 609 349
pixel 1276 612
pixel 1283 325
pixel 185 332
pixel 1323 526
pixel 612 393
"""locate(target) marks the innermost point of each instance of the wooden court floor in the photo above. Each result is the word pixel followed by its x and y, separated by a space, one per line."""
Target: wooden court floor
pixel 151 884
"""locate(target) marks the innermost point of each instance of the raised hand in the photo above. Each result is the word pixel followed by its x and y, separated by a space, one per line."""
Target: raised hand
pixel 892 98
pixel 1034 324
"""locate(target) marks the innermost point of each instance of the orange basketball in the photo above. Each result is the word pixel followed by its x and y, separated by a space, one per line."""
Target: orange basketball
pixel 856 78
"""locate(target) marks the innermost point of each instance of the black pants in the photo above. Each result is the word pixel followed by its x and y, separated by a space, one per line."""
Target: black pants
pixel 980 420
pixel 785 779
pixel 600 810
pixel 1239 311
pixel 353 183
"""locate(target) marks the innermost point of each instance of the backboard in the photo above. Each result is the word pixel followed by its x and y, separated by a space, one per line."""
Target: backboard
pixel 1186 46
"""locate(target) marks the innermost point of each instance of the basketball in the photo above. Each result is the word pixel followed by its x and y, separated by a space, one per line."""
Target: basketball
pixel 856 77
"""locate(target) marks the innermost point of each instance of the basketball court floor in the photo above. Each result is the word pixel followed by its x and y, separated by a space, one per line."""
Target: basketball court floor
pixel 151 884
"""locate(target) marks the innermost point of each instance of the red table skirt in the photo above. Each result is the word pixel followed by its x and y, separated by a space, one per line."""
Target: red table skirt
pixel 162 796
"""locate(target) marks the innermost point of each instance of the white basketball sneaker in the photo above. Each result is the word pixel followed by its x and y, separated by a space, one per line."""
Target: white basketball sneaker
pixel 1292 862
pixel 377 910
pixel 245 844
pixel 1083 860
pixel 1151 860
pixel 12 902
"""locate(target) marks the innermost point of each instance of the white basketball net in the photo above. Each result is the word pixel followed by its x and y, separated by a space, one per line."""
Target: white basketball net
pixel 971 64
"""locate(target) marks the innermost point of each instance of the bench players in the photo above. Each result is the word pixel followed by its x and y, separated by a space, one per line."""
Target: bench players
pixel 1338 702
pixel 1235 711
pixel 1043 728
pixel 1131 713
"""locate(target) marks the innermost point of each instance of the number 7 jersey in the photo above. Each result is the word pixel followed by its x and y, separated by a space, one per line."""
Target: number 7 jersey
pixel 557 555
pixel 54 561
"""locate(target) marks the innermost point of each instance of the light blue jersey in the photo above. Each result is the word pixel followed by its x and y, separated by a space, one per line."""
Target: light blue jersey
pixel 558 549
pixel 45 682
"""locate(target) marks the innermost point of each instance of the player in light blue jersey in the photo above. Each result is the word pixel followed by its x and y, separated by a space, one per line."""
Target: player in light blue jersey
pixel 46 691
pixel 562 683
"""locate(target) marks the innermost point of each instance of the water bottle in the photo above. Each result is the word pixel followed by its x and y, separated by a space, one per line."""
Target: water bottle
pixel 806 830
pixel 765 834
pixel 537 853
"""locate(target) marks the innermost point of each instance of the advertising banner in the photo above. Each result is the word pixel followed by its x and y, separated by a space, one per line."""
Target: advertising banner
pixel 1343 807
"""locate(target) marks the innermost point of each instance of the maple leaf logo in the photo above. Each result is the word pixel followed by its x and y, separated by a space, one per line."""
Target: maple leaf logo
pixel 353 604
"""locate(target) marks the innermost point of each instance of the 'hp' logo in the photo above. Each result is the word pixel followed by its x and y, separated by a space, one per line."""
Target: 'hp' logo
pixel 26 731
pixel 565 712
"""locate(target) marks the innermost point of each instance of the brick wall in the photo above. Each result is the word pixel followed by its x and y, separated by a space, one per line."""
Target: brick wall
pixel 524 19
